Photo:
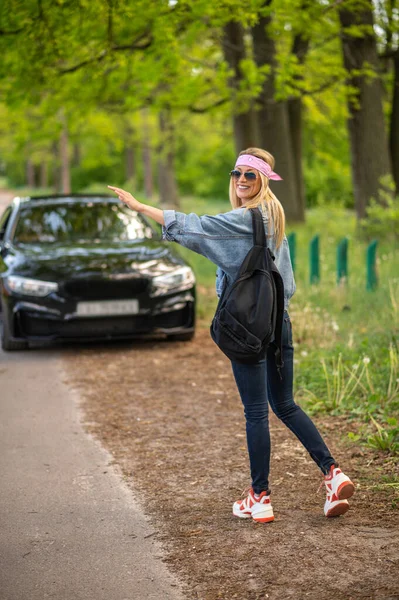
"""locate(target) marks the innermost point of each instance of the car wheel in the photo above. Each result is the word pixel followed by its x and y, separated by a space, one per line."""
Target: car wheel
pixel 181 337
pixel 6 343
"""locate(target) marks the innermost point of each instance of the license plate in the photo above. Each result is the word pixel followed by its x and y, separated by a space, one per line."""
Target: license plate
pixel 107 308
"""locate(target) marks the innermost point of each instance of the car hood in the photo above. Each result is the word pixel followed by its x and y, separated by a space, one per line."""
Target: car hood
pixel 55 263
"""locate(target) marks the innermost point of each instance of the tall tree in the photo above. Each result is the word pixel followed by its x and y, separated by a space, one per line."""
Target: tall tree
pixel 244 119
pixel 43 182
pixel 369 144
pixel 147 156
pixel 300 47
pixel 387 20
pixel 273 119
pixel 168 195
pixel 30 174
pixel 394 122
pixel 65 171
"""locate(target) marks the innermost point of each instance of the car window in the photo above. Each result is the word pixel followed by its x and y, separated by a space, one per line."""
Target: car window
pixel 80 222
pixel 4 220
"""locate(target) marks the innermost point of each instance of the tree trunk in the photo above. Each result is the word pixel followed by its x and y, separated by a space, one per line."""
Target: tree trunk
pixel 43 174
pixel 64 158
pixel 30 174
pixel 394 125
pixel 147 163
pixel 168 195
pixel 369 145
pixel 300 49
pixel 294 107
pixel 56 171
pixel 244 122
pixel 130 171
pixel 273 118
pixel 76 155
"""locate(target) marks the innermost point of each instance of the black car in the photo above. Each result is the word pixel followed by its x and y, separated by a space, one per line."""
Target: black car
pixel 77 267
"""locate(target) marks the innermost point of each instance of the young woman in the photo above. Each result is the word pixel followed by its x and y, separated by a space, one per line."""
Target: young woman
pixel 225 239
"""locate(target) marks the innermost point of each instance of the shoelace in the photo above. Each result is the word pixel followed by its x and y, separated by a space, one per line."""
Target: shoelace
pixel 245 492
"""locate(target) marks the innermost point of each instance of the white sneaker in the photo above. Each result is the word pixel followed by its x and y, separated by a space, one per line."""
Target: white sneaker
pixel 339 488
pixel 257 506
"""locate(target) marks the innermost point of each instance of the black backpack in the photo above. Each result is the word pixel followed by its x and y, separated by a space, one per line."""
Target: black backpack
pixel 249 314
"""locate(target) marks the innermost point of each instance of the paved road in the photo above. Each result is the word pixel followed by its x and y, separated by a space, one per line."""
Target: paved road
pixel 70 528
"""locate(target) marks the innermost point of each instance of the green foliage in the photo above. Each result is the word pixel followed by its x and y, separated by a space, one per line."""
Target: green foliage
pixel 386 437
pixel 326 184
pixel 203 169
pixel 326 150
pixel 382 219
pixel 165 55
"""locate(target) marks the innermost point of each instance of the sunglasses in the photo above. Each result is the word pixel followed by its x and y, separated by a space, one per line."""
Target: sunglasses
pixel 248 176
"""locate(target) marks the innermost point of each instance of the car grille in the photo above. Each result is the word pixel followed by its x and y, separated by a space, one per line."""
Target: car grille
pixel 35 325
pixel 104 289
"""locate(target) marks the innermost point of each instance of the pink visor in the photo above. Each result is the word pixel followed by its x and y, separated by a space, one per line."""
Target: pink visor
pixel 247 160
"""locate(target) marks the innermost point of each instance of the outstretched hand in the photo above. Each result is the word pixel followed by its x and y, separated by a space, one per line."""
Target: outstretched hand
pixel 127 198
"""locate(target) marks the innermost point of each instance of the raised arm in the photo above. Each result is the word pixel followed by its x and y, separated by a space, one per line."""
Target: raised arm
pixel 131 202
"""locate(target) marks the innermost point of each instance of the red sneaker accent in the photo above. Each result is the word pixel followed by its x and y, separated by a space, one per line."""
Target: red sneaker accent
pixel 260 509
pixel 338 488
pixel 345 490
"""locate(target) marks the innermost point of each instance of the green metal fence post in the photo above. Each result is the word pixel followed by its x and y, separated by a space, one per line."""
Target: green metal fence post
pixel 342 260
pixel 371 265
pixel 314 260
pixel 292 246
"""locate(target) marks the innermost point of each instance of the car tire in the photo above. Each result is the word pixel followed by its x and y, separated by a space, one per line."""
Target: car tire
pixel 7 344
pixel 181 337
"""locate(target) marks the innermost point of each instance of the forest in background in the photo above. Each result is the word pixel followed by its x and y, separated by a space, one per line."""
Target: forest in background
pixel 160 96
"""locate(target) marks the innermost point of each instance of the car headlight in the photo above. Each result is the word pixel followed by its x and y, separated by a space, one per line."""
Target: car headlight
pixel 182 278
pixel 30 287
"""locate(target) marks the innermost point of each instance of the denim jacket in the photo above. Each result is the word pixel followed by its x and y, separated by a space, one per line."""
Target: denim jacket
pixel 226 239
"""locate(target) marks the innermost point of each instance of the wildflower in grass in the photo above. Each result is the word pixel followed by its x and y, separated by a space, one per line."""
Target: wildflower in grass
pixel 304 353
pixel 366 362
pixel 335 326
pixel 355 367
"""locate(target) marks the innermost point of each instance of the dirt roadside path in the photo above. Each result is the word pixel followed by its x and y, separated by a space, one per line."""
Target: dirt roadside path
pixel 172 418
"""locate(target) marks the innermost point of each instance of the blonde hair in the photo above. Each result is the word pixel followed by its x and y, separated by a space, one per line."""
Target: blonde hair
pixel 265 197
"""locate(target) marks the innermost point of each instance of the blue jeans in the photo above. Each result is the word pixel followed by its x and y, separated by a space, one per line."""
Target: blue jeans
pixel 260 384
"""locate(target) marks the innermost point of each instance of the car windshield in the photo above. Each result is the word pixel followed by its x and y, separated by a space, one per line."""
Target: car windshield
pixel 80 222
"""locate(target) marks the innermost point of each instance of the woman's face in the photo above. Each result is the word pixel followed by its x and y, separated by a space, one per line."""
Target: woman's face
pixel 246 188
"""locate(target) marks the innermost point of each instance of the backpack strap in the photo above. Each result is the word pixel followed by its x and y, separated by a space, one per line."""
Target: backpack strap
pixel 258 228
pixel 278 332
pixel 259 238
